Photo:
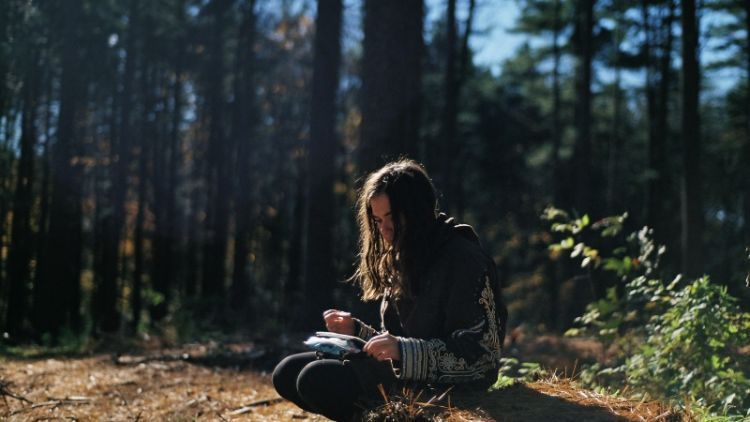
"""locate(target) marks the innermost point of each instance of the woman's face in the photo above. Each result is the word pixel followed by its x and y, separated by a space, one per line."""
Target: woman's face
pixel 381 213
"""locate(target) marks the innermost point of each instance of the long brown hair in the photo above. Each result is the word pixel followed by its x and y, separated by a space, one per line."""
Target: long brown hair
pixel 413 210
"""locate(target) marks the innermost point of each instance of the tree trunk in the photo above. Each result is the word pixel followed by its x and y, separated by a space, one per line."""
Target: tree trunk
pixel 583 165
pixel 161 174
pixel 615 145
pixel 20 250
pixel 148 149
pixel 653 195
pixel 139 269
pixel 290 295
pixel 217 215
pixel 692 204
pixel 659 193
pixel 556 104
pixel 391 79
pixel 175 250
pixel 195 230
pixel 463 74
pixel 553 268
pixel 6 21
pixel 747 135
pixel 44 211
pixel 105 298
pixel 448 144
pixel 320 274
pixel 244 118
pixel 59 288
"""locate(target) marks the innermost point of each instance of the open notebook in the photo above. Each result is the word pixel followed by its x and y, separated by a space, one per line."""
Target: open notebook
pixel 335 344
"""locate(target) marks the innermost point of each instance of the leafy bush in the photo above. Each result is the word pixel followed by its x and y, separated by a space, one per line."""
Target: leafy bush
pixel 678 341
pixel 512 371
pixel 692 349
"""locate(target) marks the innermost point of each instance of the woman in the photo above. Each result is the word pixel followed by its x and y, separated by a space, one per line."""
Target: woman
pixel 442 320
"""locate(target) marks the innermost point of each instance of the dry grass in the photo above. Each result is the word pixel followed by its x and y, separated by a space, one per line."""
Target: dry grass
pixel 551 399
pixel 210 382
pixel 558 399
pixel 138 388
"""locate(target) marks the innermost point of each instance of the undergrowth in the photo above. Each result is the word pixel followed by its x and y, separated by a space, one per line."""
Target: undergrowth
pixel 677 340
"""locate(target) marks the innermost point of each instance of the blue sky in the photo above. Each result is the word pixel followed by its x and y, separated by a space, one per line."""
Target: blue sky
pixel 492 42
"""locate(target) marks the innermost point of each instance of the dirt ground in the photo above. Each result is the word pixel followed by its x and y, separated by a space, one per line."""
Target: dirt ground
pixel 227 382
pixel 194 382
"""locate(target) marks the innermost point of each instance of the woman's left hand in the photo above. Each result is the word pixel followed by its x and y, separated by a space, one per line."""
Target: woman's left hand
pixel 383 346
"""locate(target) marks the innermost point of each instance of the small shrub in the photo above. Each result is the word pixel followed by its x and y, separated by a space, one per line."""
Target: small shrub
pixel 675 341
pixel 512 372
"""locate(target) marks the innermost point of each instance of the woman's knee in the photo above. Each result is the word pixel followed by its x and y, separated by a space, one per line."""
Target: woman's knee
pixel 311 376
pixel 330 387
pixel 324 377
pixel 285 374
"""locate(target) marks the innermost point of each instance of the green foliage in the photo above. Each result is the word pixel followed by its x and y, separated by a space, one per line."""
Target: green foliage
pixel 675 341
pixel 512 372
pixel 67 344
pixel 692 349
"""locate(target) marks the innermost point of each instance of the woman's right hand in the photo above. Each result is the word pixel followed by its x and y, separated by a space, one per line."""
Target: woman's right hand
pixel 339 322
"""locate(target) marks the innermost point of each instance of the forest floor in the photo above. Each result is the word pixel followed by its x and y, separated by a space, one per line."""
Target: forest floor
pixel 230 381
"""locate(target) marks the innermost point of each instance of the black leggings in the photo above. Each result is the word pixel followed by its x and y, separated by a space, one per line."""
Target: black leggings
pixel 324 386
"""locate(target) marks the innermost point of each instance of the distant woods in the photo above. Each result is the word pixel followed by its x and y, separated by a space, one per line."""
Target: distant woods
pixel 197 160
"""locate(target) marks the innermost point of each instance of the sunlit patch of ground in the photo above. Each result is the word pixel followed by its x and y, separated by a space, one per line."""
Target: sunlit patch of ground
pixel 129 388
pixel 559 400
pixel 224 382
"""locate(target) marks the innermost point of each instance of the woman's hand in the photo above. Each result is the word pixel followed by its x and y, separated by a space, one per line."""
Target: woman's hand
pixel 383 346
pixel 339 322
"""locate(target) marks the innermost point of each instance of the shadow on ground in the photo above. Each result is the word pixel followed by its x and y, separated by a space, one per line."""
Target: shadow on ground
pixel 524 403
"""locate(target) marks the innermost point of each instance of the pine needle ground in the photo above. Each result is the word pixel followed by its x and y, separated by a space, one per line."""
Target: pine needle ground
pixel 213 382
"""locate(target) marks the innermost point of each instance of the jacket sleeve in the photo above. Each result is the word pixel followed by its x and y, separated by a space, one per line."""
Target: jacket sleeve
pixel 362 330
pixel 471 336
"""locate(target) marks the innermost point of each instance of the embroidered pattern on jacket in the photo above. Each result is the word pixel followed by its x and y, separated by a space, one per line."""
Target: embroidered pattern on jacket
pixel 362 330
pixel 430 359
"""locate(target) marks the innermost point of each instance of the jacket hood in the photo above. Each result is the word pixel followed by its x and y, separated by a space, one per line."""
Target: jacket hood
pixel 447 227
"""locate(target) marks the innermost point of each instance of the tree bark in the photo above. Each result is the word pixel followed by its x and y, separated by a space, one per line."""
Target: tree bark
pixel 153 151
pixel 167 241
pixel 556 173
pixel 615 145
pixel 20 250
pixel 6 21
pixel 449 145
pixel 290 295
pixel 583 165
pixel 747 135
pixel 659 189
pixel 244 118
pixel 692 204
pixel 320 274
pixel 653 194
pixel 59 288
pixel 554 268
pixel 391 79
pixel 44 210
pixel 139 270
pixel 219 151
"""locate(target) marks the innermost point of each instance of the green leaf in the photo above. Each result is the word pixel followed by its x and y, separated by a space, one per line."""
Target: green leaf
pixel 577 250
pixel 573 332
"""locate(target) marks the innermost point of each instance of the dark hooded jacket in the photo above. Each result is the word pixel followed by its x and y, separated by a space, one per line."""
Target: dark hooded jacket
pixel 451 329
